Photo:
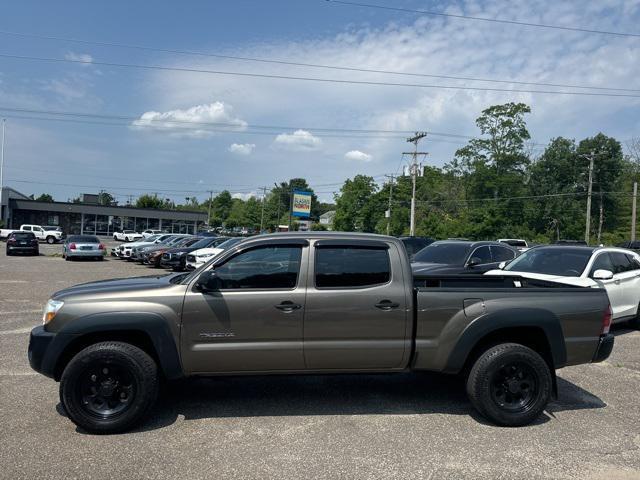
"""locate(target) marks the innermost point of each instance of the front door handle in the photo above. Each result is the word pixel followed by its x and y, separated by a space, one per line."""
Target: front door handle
pixel 288 306
pixel 387 305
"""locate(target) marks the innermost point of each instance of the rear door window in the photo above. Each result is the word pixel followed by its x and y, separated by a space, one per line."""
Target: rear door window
pixel 621 262
pixel 349 267
pixel 482 255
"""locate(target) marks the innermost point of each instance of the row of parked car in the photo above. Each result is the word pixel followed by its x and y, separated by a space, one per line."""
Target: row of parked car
pixel 177 252
pixel 575 264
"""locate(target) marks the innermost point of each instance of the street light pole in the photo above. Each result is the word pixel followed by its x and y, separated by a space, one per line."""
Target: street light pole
pixel 4 123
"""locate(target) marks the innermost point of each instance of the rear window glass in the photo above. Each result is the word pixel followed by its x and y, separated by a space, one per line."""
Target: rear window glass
pixel 451 253
pixel 563 261
pixel 23 235
pixel 83 239
pixel 351 267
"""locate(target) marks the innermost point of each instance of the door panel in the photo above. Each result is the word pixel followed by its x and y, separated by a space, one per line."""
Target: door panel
pixel 239 328
pixel 626 274
pixel 352 322
pixel 603 261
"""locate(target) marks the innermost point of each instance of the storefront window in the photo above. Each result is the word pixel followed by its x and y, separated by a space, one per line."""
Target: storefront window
pixel 115 224
pixel 167 226
pixel 153 224
pixel 75 223
pixel 128 223
pixel 102 225
pixel 89 225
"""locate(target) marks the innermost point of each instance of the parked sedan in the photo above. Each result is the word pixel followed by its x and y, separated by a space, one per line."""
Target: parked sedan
pixel 414 244
pixel 448 257
pixel 153 257
pixel 175 258
pixel 127 236
pixel 82 246
pixel 615 269
pixel 197 258
pixel 22 242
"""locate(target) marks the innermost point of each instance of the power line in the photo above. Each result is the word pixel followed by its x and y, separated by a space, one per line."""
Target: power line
pixel 313 79
pixel 311 65
pixel 484 19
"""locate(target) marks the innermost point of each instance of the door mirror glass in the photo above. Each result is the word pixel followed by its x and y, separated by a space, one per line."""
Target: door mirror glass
pixel 501 265
pixel 602 274
pixel 208 282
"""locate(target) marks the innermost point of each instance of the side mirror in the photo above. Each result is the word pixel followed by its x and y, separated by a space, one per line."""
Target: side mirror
pixel 473 261
pixel 501 265
pixel 602 274
pixel 207 282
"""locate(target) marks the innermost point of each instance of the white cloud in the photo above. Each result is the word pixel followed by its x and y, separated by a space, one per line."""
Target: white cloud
pixel 242 148
pixel 244 196
pixel 298 141
pixel 191 121
pixel 357 155
pixel 79 57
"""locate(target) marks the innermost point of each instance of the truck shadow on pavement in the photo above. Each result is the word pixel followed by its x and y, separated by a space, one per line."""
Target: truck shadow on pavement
pixel 299 395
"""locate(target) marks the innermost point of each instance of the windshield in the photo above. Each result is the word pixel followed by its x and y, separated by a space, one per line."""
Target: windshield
pixel 152 238
pixel 446 253
pixel 565 262
pixel 204 243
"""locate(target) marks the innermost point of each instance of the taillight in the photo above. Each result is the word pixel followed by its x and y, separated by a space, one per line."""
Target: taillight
pixel 606 320
pixel 11 240
pixel 72 246
pixel 101 247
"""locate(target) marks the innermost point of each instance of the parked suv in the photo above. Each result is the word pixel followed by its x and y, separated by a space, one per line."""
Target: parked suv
pixel 22 242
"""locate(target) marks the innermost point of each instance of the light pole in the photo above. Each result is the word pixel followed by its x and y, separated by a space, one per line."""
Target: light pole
pixel 4 124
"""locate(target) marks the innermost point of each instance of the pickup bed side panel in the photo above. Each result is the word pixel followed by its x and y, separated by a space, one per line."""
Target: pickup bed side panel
pixel 451 321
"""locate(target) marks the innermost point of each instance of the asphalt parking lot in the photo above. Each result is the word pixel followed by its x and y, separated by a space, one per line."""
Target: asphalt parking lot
pixel 369 426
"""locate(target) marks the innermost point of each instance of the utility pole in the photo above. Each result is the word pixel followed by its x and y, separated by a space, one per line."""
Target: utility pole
pixel 209 212
pixel 4 123
pixel 633 211
pixel 414 173
pixel 264 196
pixel 601 220
pixel 390 177
pixel 588 221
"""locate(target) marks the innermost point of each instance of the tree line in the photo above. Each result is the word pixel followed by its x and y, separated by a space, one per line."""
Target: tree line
pixel 496 187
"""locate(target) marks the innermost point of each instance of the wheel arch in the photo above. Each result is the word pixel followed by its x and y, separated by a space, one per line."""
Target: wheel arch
pixel 534 328
pixel 149 332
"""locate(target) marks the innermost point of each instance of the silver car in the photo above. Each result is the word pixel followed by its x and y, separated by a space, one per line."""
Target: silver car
pixel 82 246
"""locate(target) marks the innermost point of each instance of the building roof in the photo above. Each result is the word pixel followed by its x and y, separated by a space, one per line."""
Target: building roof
pixel 116 211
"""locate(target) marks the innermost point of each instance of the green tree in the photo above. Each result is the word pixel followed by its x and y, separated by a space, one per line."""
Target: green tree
pixel 105 198
pixel 44 197
pixel 221 206
pixel 151 201
pixel 357 209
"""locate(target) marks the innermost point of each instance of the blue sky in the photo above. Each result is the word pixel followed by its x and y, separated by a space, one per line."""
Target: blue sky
pixel 141 154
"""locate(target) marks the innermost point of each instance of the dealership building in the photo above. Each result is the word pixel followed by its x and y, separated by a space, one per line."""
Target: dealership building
pixel 89 217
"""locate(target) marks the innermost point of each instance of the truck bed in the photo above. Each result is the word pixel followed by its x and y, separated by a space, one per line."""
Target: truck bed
pixel 453 312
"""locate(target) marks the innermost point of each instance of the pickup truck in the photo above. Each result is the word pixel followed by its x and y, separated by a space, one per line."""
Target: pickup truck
pixel 314 302
pixel 45 234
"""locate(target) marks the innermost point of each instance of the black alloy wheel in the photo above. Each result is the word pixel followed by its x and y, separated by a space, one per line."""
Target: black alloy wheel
pixel 106 390
pixel 514 387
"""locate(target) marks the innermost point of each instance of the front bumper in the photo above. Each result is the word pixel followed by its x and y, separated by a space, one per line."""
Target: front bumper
pixel 605 346
pixel 39 342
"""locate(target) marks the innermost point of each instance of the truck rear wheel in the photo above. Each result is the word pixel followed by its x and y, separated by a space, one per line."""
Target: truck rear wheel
pixel 109 387
pixel 510 384
pixel 51 240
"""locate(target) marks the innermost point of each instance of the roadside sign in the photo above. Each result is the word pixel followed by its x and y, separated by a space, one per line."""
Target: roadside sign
pixel 301 205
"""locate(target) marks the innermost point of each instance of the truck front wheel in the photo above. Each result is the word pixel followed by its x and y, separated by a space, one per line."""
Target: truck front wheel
pixel 510 384
pixel 51 240
pixel 109 387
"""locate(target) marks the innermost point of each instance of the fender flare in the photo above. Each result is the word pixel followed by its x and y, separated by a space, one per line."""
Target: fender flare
pixel 153 325
pixel 511 318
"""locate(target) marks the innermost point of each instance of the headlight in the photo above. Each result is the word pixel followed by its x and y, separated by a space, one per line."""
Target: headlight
pixel 50 310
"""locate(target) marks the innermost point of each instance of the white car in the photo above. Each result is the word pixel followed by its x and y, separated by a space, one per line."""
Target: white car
pixel 127 236
pixel 150 233
pixel 46 234
pixel 617 270
pixel 125 250
pixel 197 258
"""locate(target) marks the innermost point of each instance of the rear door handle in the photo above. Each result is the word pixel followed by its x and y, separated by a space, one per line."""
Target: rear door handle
pixel 387 305
pixel 288 306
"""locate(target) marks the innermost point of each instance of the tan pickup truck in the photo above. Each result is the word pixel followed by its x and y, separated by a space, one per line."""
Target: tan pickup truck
pixel 316 302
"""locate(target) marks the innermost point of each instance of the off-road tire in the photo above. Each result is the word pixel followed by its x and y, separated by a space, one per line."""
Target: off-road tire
pixel 51 240
pixel 499 370
pixel 101 362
